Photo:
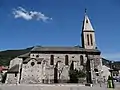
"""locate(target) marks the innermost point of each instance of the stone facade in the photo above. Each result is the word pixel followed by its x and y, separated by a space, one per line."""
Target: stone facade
pixel 14 75
pixel 33 71
pixel 46 64
pixel 45 72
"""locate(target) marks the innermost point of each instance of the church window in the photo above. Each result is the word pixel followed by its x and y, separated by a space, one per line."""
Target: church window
pixel 114 74
pixel 32 63
pixel 88 39
pixel 72 56
pixel 86 21
pixel 96 71
pixel 37 56
pixel 15 74
pixel 117 74
pixel 52 60
pixel 91 39
pixel 66 59
pixel 81 60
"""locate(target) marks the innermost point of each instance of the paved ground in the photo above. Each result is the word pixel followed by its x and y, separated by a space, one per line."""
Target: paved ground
pixel 104 85
pixel 57 87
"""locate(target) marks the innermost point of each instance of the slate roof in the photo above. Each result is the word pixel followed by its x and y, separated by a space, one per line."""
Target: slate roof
pixel 14 69
pixel 37 59
pixel 87 26
pixel 40 48
pixel 24 55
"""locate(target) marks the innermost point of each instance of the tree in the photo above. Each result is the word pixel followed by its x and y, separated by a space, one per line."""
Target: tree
pixel 75 75
pixel 81 74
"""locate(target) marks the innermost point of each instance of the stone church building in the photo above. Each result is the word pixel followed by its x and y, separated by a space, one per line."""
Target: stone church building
pixel 52 64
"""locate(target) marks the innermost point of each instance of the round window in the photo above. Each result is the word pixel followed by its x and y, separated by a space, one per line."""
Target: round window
pixel 32 63
pixel 37 56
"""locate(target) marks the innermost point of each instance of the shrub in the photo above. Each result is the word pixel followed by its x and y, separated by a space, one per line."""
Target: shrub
pixel 75 75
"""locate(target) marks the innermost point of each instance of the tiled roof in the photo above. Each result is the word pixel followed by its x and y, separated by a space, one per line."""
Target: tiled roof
pixel 14 69
pixel 37 59
pixel 24 55
pixel 2 68
pixel 40 48
pixel 87 26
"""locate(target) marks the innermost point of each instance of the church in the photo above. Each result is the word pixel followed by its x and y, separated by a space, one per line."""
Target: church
pixel 52 64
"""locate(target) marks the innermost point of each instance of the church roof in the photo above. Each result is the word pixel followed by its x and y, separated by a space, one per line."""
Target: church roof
pixel 37 59
pixel 57 49
pixel 24 55
pixel 14 69
pixel 87 26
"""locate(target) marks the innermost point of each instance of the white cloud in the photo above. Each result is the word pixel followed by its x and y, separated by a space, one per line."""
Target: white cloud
pixel 112 56
pixel 29 15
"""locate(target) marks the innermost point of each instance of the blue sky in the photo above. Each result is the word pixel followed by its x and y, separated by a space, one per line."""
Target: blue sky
pixel 58 23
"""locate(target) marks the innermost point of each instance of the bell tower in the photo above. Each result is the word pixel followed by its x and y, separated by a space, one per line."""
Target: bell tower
pixel 88 34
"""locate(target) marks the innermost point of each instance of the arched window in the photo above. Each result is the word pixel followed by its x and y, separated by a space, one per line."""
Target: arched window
pixel 52 60
pixel 37 56
pixel 91 39
pixel 96 71
pixel 32 63
pixel 66 59
pixel 86 21
pixel 81 60
pixel 88 39
pixel 15 74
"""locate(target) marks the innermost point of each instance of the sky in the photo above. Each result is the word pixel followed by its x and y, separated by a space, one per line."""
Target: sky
pixel 26 23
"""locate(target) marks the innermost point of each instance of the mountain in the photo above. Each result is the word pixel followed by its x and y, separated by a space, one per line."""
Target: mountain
pixel 7 55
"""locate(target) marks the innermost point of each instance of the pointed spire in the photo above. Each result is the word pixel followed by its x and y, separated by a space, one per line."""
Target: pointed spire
pixel 87 26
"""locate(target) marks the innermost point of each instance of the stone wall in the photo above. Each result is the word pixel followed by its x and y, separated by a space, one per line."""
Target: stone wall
pixel 44 72
pixel 15 61
pixel 31 73
pixel 96 63
pixel 13 78
pixel 85 42
pixel 61 57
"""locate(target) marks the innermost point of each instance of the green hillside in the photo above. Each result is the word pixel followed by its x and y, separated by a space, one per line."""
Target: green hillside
pixel 6 56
